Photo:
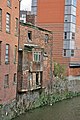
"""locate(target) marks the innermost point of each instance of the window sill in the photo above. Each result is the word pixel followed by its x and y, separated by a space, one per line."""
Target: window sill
pixel 14 83
pixel 37 61
pixel 35 88
pixel 7 32
pixel 9 6
pixel 16 35
pixel 6 86
pixel 15 62
pixel 29 40
pixel 7 63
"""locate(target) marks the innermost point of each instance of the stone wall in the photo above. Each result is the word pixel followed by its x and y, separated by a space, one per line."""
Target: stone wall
pixel 32 99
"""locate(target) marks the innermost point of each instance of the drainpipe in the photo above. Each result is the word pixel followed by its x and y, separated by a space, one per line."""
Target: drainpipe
pixel 18 49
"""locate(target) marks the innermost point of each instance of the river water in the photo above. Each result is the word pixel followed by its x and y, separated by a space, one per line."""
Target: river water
pixel 65 110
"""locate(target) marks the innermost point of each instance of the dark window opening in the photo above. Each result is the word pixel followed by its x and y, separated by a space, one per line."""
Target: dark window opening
pixel 72 52
pixel 29 35
pixel 65 35
pixel 37 78
pixel 46 38
pixel 15 78
pixel 64 52
pixel 73 36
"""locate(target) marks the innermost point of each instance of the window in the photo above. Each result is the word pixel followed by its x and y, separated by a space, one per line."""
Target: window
pixel 15 78
pixel 7 54
pixel 70 18
pixel 23 15
pixel 34 10
pixel 73 19
pixel 9 3
pixel 0 52
pixel 16 27
pixel 29 35
pixel 65 35
pixel 37 56
pixel 74 2
pixel 70 2
pixel 70 10
pixel 67 2
pixel 8 22
pixel 37 78
pixel 15 54
pixel 72 52
pixel 6 80
pixel 69 27
pixel 46 38
pixel 73 36
pixel 0 19
pixel 64 52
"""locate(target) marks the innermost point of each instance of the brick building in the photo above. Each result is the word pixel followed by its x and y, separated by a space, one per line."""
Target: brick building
pixel 35 58
pixel 63 18
pixel 27 16
pixel 9 15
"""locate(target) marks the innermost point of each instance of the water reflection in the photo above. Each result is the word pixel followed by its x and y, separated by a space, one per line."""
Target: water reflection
pixel 66 110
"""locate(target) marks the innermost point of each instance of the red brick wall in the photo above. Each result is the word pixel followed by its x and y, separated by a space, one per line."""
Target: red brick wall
pixel 50 15
pixel 9 93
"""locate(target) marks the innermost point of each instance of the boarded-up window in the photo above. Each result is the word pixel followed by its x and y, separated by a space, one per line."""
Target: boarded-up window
pixel 6 80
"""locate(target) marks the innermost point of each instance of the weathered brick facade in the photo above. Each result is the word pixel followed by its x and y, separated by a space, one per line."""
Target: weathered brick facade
pixel 8 92
pixel 34 71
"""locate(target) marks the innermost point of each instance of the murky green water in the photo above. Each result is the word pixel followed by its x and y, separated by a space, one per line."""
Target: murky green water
pixel 65 110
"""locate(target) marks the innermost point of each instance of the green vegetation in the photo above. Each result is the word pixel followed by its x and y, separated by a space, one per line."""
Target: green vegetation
pixel 59 70
pixel 50 99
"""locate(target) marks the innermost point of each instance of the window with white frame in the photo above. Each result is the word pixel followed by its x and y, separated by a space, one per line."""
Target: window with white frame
pixel 70 10
pixel 8 22
pixel 37 56
pixel 7 54
pixel 67 2
pixel 9 3
pixel 70 18
pixel 74 2
pixel 73 19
